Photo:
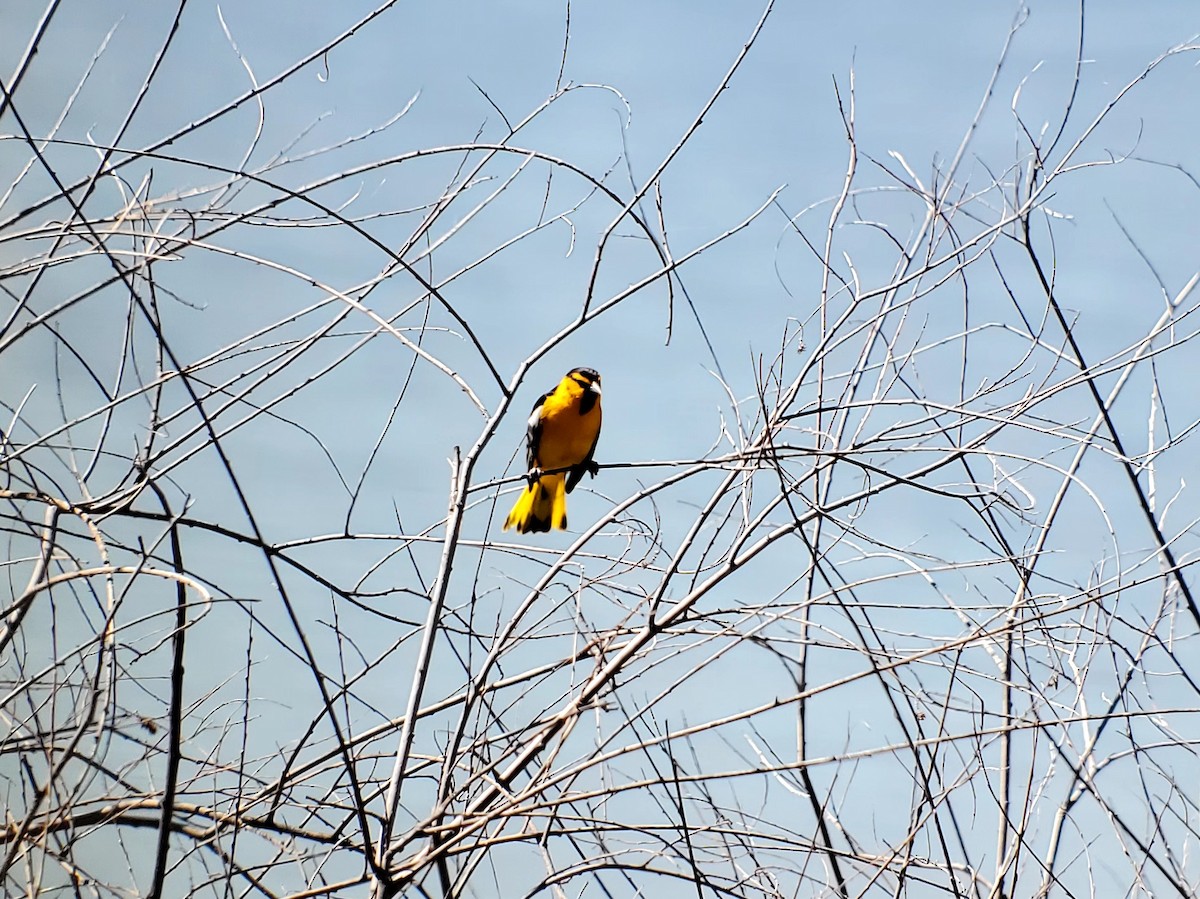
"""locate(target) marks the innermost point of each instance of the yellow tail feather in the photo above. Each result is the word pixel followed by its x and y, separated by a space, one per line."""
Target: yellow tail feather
pixel 541 506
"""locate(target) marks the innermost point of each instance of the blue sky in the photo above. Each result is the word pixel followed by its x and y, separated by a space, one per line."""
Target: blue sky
pixel 358 437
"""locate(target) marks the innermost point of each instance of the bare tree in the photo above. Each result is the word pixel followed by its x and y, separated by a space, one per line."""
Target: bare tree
pixel 913 617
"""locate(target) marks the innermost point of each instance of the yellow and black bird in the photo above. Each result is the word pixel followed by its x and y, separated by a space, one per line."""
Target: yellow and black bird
pixel 561 439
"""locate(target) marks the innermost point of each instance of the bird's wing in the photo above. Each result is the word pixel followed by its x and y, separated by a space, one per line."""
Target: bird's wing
pixel 533 433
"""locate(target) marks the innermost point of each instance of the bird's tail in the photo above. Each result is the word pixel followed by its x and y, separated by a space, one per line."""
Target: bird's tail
pixel 541 506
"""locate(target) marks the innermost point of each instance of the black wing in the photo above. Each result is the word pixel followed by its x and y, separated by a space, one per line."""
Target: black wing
pixel 533 433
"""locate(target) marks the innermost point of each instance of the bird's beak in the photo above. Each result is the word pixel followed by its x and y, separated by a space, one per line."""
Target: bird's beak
pixel 594 387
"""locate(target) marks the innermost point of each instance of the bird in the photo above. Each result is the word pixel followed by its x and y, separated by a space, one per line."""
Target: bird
pixel 560 441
